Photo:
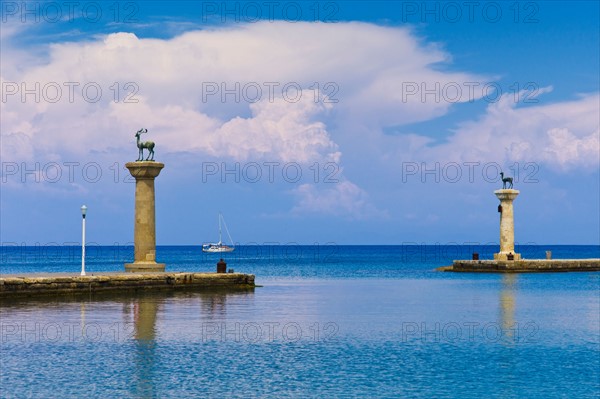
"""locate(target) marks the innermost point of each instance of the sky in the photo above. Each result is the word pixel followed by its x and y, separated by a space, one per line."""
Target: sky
pixel 343 122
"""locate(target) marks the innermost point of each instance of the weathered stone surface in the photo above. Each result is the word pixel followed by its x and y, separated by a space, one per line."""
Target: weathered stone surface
pixel 507 224
pixel 144 235
pixel 51 285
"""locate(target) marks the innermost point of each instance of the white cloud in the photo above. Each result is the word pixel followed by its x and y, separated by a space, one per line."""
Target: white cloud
pixel 276 131
pixel 288 130
pixel 569 151
pixel 366 64
pixel 369 65
pixel 562 136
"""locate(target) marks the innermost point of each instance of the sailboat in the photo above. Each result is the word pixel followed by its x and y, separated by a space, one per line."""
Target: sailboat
pixel 219 247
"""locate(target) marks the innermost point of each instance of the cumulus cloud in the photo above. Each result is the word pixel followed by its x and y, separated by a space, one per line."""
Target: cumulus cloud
pixel 275 131
pixel 568 151
pixel 366 66
pixel 360 68
pixel 368 69
pixel 291 132
pixel 562 135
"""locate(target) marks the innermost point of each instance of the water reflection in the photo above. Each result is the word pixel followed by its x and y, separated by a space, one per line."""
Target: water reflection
pixel 508 358
pixel 214 306
pixel 144 311
pixel 507 306
pixel 141 320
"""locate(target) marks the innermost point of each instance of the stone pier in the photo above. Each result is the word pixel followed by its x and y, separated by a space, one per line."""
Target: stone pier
pixel 524 266
pixel 507 224
pixel 33 285
pixel 144 236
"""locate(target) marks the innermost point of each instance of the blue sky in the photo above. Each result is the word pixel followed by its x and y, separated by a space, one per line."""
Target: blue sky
pixel 363 132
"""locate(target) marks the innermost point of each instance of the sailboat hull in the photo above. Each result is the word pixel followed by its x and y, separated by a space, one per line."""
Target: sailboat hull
pixel 214 248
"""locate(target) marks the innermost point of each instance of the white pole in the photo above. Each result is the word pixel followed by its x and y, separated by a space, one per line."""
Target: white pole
pixel 83 244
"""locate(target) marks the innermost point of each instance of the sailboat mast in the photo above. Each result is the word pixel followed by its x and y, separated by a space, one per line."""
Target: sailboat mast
pixel 220 241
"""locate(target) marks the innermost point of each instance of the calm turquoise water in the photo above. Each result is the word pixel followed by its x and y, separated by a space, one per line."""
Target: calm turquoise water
pixel 329 321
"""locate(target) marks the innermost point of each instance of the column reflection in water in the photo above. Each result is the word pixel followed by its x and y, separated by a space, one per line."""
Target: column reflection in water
pixel 144 311
pixel 507 307
pixel 186 313
pixel 508 342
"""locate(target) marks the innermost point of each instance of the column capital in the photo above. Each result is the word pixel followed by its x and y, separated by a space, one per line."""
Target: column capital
pixel 507 194
pixel 144 169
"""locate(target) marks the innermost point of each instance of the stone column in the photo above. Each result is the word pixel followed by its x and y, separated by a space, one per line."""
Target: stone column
pixel 144 235
pixel 507 224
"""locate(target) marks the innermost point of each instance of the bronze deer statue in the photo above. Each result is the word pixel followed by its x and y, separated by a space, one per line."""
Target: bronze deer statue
pixel 505 180
pixel 149 145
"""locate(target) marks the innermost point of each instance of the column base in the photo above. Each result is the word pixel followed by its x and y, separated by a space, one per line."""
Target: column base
pixel 138 267
pixel 504 256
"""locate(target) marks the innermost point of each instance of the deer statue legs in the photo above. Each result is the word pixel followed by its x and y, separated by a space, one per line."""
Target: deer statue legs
pixel 506 180
pixel 150 153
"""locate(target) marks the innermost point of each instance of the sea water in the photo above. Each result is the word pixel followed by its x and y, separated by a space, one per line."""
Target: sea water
pixel 328 321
